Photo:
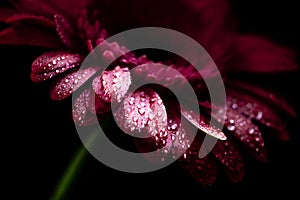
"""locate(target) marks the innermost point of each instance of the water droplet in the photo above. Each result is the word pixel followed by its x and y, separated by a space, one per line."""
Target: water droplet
pixel 251 131
pixel 174 126
pixel 234 106
pixel 259 115
pixel 231 121
pixel 135 118
pixel 141 111
pixel 159 101
pixel 231 127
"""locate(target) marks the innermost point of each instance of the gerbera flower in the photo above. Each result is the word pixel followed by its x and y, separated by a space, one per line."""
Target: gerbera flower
pixel 73 29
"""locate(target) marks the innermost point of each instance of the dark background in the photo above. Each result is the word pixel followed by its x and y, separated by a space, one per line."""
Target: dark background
pixel 40 138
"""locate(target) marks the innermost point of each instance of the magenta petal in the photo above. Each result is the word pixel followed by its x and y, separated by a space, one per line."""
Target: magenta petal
pixel 230 157
pixel 51 64
pixel 64 87
pixel 32 19
pixel 255 54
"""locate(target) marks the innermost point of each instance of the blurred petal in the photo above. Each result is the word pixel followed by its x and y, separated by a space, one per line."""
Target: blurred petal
pixel 231 159
pixel 51 64
pixel 6 13
pixel 32 19
pixel 255 54
pixel 67 33
pixel 64 87
pixel 265 96
pixel 243 129
pixel 264 108
pixel 68 8
pixel 203 170
pixel 26 34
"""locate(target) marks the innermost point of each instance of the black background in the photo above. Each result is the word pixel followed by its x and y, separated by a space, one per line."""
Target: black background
pixel 40 138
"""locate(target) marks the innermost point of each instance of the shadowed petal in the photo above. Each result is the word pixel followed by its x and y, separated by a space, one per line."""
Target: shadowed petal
pixel 203 170
pixel 69 8
pixel 230 157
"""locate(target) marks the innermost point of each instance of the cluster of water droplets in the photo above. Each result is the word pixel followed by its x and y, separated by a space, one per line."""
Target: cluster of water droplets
pixel 66 86
pixel 112 85
pixel 142 114
pixel 51 64
pixel 239 121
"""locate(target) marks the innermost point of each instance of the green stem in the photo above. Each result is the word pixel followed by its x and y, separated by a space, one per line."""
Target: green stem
pixel 69 175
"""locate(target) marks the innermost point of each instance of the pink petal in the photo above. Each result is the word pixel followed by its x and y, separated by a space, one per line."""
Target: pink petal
pixel 96 105
pixel 83 115
pixel 79 108
pixel 51 64
pixel 112 85
pixel 193 117
pixel 230 157
pixel 64 87
pixel 255 54
pixel 172 141
pixel 142 114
